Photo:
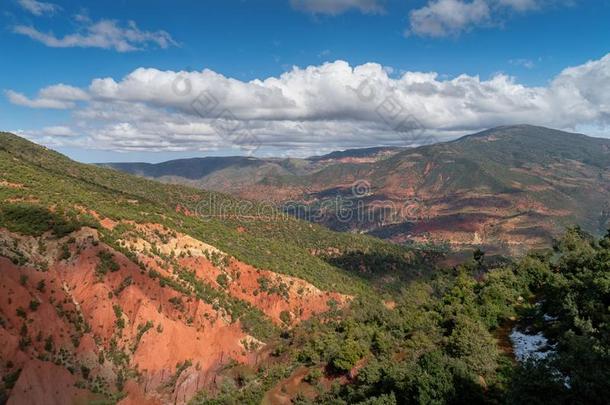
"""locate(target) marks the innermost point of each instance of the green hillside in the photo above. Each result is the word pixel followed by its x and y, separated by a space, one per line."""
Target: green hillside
pixel 268 239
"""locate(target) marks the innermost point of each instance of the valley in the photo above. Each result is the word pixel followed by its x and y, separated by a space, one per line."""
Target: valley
pixel 505 190
pixel 303 202
pixel 119 289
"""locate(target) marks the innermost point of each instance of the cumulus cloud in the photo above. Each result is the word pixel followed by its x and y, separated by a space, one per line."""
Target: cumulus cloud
pixel 312 108
pixel 38 8
pixel 105 34
pixel 335 7
pixel 440 18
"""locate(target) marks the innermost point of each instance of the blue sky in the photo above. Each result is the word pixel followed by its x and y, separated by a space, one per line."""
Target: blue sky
pixel 529 43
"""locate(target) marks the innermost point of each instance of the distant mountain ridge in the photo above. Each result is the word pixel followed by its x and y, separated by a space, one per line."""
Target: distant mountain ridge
pixel 358 153
pixel 192 168
pixel 199 167
pixel 512 186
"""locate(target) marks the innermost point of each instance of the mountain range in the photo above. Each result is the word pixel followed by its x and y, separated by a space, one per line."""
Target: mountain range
pixel 507 189
pixel 121 289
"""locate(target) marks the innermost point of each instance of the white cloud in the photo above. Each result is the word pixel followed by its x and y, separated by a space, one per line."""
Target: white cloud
pixel 105 34
pixel 440 18
pixel 448 17
pixel 39 8
pixel 58 96
pixel 335 7
pixel 51 136
pixel 63 92
pixel 308 109
pixel 22 100
pixel 59 131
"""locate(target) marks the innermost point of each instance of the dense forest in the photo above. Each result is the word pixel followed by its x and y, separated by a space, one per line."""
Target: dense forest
pixel 440 341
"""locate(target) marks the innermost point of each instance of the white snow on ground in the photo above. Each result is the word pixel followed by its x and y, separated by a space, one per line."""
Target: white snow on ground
pixel 529 346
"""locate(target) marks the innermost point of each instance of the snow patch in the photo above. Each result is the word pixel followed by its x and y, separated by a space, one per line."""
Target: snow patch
pixel 526 346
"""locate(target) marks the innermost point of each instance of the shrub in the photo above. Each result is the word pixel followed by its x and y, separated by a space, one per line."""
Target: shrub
pixel 34 220
pixel 177 303
pixel 65 252
pixel 48 344
pixel 285 317
pixel 105 264
pixel 21 312
pixel 222 280
pixel 118 312
pixel 347 356
pixel 34 305
pixel 313 376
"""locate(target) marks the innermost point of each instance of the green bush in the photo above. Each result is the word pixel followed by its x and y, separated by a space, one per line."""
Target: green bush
pixel 106 263
pixel 345 359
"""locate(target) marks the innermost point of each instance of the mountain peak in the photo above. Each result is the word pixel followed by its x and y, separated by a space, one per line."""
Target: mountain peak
pixel 531 133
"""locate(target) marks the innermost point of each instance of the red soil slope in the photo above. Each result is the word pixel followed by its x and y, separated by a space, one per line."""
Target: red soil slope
pixel 76 334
